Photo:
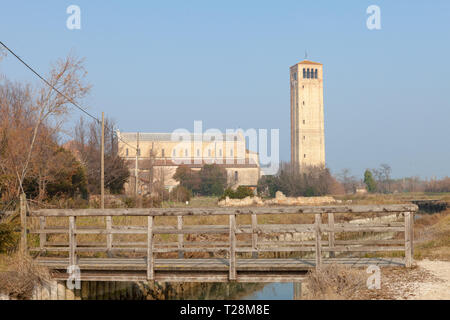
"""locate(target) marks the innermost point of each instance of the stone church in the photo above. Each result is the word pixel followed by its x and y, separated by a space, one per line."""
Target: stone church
pixel 164 153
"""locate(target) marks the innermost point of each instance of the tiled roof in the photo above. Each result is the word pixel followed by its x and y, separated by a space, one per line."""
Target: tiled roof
pixel 145 136
pixel 309 62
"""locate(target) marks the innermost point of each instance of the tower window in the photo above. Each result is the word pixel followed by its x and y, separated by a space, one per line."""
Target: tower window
pixel 231 152
pixel 162 153
pixel 315 74
pixel 304 156
pixel 220 152
pixel 236 176
pixel 186 152
pixel 198 152
pixel 304 74
pixel 294 75
pixel 308 74
pixel 304 122
pixel 138 152
pixel 303 102
pixel 304 137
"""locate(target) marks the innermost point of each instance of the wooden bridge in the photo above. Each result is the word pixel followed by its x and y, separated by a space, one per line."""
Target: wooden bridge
pixel 218 244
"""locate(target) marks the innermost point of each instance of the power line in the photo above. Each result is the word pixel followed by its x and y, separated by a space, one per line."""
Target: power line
pixel 62 94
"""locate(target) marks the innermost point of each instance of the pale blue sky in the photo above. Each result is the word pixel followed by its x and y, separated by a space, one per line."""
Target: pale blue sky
pixel 158 66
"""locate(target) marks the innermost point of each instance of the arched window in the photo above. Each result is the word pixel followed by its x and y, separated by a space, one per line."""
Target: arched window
pixel 304 73
pixel 315 74
pixel 308 74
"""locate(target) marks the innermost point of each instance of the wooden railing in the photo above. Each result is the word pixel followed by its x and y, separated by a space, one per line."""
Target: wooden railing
pixel 260 242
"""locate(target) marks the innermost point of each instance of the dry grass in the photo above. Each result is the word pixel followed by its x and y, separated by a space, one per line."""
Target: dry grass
pixel 21 276
pixel 432 233
pixel 335 282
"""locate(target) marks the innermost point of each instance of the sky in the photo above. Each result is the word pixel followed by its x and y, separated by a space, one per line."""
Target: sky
pixel 156 66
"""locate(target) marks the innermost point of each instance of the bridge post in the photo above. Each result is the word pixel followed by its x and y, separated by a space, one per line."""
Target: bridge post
pixel 318 223
pixel 150 261
pixel 72 242
pixel 109 236
pixel 254 236
pixel 331 233
pixel 42 236
pixel 297 290
pixel 180 238
pixel 233 274
pixel 408 240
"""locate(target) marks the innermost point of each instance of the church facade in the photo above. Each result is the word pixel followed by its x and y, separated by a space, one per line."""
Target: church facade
pixel 158 155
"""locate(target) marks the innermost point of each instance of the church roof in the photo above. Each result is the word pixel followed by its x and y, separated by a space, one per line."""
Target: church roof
pixel 309 62
pixel 145 136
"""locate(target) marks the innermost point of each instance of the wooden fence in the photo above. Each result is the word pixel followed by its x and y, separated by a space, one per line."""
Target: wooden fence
pixel 262 237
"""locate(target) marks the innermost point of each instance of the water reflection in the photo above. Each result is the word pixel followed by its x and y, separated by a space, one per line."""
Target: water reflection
pixel 273 291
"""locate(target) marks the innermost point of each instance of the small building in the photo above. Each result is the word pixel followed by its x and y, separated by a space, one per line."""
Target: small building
pixel 158 155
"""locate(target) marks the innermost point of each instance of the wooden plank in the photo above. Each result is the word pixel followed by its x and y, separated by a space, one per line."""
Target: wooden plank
pixel 362 249
pixel 232 266
pixel 318 222
pixel 180 237
pixel 408 255
pixel 277 249
pixel 42 236
pixel 331 233
pixel 369 242
pixel 254 235
pixel 391 208
pixel 150 260
pixel 72 241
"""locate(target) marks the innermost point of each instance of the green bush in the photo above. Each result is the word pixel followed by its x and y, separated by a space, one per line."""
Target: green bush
pixel 240 193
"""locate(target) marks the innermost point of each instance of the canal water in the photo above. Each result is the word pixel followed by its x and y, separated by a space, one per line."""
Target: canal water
pixel 273 291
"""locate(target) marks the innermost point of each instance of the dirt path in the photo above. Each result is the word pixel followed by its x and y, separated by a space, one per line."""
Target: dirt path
pixel 429 280
pixel 438 286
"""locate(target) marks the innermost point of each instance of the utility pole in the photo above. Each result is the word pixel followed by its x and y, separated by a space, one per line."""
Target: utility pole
pixel 136 167
pixel 102 179
pixel 102 188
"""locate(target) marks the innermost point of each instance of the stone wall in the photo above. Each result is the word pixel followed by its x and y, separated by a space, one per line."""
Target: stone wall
pixel 280 199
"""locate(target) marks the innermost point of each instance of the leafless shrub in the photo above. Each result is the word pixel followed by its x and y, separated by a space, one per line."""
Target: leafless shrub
pixel 335 282
pixel 22 276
